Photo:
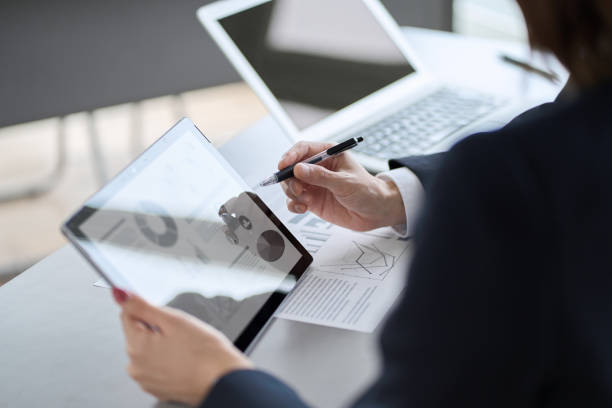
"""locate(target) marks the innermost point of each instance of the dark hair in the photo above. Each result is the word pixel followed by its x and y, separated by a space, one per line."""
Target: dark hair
pixel 578 32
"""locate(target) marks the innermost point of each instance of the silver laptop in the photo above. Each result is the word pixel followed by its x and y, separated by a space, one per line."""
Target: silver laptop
pixel 328 70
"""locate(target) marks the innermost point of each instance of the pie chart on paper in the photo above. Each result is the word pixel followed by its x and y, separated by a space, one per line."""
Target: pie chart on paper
pixel 270 245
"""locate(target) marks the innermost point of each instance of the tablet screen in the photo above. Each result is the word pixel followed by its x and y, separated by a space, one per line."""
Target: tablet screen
pixel 178 228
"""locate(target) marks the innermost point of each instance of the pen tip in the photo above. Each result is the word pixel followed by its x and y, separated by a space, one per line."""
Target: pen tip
pixel 359 139
pixel 265 183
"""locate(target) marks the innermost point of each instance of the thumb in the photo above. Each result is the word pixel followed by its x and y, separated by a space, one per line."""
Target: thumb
pixel 339 183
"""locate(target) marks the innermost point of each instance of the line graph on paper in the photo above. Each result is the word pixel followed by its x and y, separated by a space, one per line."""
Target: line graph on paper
pixel 314 232
pixel 368 255
pixel 364 260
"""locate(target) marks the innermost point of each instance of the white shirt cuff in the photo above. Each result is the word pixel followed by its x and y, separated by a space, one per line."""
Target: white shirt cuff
pixel 412 193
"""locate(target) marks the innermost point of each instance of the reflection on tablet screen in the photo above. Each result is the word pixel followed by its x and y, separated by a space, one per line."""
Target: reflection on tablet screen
pixel 181 232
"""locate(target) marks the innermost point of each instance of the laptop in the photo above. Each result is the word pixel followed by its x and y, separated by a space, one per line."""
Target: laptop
pixel 330 70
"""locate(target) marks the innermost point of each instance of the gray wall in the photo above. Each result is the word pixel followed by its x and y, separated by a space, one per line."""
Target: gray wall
pixel 64 56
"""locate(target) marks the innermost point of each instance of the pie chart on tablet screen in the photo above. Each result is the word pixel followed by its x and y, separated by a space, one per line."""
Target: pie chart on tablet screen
pixel 270 245
pixel 149 223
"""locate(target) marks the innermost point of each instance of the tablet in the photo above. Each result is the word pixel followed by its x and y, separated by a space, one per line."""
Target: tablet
pixel 179 227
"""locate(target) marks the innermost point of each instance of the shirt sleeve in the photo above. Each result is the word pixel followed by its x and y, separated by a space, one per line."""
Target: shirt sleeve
pixel 412 193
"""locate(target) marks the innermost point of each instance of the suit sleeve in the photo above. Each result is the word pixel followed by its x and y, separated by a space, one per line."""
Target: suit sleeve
pixel 251 388
pixel 466 332
pixel 424 167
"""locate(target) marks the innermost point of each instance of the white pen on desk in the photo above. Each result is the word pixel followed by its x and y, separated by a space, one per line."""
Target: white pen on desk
pixel 287 172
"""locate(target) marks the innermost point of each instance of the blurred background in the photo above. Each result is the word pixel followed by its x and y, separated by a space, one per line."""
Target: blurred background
pixel 85 86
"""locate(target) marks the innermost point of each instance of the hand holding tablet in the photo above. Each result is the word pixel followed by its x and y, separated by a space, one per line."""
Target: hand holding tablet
pixel 182 359
pixel 179 227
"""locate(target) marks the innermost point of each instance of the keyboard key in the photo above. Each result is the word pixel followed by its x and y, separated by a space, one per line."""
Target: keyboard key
pixel 415 128
pixel 376 147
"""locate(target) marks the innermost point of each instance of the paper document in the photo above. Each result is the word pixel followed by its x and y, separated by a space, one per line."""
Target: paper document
pixel 355 277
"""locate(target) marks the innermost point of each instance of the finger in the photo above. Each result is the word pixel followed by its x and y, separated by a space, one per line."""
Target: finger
pixel 296 187
pixel 137 337
pixel 294 190
pixel 340 183
pixel 310 194
pixel 136 332
pixel 150 315
pixel 146 383
pixel 296 206
pixel 157 389
pixel 134 327
pixel 304 198
pixel 287 159
pixel 301 151
pixel 287 190
pixel 290 195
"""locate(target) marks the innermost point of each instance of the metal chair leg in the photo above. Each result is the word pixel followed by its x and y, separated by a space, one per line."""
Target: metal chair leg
pixel 180 108
pixel 136 140
pixel 96 150
pixel 47 182
pixel 9 272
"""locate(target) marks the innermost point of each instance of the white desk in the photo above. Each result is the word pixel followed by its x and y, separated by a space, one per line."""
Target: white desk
pixel 60 339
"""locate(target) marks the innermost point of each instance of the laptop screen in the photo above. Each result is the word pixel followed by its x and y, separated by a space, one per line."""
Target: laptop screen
pixel 317 56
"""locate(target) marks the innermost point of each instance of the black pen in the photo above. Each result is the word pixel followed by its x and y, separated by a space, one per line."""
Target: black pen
pixel 287 172
pixel 551 76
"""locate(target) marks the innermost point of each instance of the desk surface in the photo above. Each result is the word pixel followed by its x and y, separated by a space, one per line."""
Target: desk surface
pixel 61 343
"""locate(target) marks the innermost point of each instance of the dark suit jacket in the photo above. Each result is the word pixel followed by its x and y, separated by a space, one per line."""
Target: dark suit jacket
pixel 509 297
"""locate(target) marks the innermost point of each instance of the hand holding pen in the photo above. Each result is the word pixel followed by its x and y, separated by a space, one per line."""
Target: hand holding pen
pixel 339 190
pixel 287 172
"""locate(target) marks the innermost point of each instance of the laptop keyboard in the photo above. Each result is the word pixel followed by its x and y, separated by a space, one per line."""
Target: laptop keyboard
pixel 417 127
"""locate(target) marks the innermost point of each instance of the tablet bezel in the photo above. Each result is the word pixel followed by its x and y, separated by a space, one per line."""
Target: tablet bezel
pixel 71 228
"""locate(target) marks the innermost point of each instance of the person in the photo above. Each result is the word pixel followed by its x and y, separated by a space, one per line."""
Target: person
pixel 508 298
